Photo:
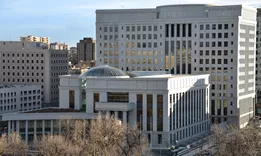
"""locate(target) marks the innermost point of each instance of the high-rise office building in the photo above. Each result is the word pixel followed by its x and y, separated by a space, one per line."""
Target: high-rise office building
pixel 31 63
pixel 59 46
pixel 31 38
pixel 86 50
pixel 187 39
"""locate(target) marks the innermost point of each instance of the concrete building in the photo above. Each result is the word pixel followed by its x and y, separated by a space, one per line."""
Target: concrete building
pixel 31 38
pixel 73 57
pixel 187 39
pixel 86 50
pixel 31 63
pixel 17 98
pixel 166 107
pixel 59 46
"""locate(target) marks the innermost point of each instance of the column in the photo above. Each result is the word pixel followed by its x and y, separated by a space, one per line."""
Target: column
pixel 133 114
pixel 178 112
pixel 154 108
pixel 125 118
pixel 51 127
pixel 35 130
pixel 26 131
pixel 77 99
pixel 144 112
pixel 9 127
pixel 64 98
pixel 89 102
pixel 116 114
pixel 13 128
pixel 166 113
pixel 43 127
pixel 17 127
pixel 59 126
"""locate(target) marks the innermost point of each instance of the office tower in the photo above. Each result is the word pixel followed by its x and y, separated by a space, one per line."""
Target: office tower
pixel 187 39
pixel 86 50
pixel 73 57
pixel 31 38
pixel 32 63
pixel 59 46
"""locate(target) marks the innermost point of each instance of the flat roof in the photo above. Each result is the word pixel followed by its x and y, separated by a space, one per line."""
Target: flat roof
pixel 168 76
pixel 54 110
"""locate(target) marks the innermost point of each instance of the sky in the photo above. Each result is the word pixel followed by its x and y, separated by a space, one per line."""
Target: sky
pixel 70 20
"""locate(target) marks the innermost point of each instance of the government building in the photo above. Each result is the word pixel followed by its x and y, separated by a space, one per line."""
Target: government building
pixel 167 108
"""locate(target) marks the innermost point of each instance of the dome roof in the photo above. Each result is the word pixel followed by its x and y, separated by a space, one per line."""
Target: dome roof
pixel 103 71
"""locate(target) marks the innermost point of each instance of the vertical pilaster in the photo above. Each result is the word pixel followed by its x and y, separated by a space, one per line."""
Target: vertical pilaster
pixel 9 127
pixel 51 127
pixel 43 127
pixel 35 130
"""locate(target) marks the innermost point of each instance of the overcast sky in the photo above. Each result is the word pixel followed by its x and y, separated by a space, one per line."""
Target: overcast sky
pixel 70 20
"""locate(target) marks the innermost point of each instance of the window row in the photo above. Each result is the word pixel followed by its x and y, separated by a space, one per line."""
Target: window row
pixel 214 35
pixel 22 80
pixel 22 67
pixel 215 26
pixel 23 55
pixel 22 74
pixel 215 44
pixel 23 61
pixel 7 101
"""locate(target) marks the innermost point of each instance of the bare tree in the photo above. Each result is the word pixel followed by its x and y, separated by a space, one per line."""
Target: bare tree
pixel 15 145
pixel 102 136
pixel 3 144
pixel 232 141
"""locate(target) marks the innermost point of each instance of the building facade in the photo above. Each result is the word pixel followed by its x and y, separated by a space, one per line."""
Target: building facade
pixel 19 98
pixel 32 63
pixel 59 46
pixel 167 108
pixel 86 50
pixel 31 38
pixel 187 39
pixel 258 58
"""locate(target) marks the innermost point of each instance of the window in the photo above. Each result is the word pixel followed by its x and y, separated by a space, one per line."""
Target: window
pixel 207 27
pixel 201 35
pixel 219 35
pixel 213 26
pixel 213 35
pixel 144 28
pixel 207 35
pixel 201 27
pixel 219 26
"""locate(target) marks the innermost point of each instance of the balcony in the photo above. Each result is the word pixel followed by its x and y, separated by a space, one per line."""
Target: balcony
pixel 114 106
